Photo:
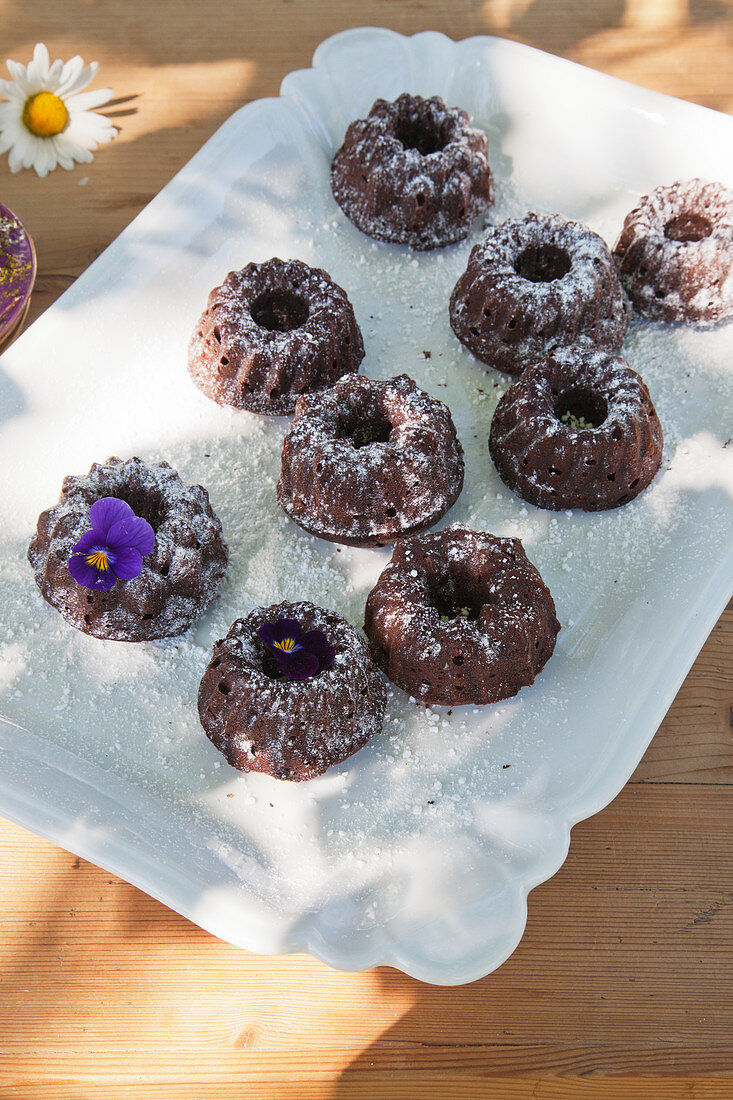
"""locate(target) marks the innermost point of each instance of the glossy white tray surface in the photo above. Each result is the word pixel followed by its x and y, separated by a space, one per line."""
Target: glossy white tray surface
pixel 420 851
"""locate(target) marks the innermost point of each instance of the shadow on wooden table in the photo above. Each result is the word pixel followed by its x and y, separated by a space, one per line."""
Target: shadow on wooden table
pixel 615 975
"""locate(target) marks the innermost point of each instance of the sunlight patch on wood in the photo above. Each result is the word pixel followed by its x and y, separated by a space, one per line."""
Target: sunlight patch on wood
pixel 176 95
pixel 499 15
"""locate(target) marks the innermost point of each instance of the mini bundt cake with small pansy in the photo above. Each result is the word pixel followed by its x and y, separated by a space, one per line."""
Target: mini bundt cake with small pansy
pixel 577 430
pixel 271 332
pixel 129 552
pixel 291 691
pixel 367 462
pixel 460 616
pixel 413 172
pixel 533 285
pixel 675 253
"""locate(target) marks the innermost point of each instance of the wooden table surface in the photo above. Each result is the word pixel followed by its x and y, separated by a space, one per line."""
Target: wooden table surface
pixel 622 985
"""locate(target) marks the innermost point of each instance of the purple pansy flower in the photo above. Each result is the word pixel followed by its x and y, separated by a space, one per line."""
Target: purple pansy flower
pixel 298 655
pixel 114 548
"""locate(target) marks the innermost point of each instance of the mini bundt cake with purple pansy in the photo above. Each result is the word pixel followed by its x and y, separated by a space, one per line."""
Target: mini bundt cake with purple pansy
pixel 291 691
pixel 129 552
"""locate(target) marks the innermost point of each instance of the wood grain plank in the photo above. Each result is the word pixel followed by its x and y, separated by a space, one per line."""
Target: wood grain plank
pixel 694 744
pixel 622 985
pixel 387 1087
pixel 624 967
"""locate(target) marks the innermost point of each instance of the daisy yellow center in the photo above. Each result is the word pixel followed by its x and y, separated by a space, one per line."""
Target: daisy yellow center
pixel 286 644
pixel 98 559
pixel 45 114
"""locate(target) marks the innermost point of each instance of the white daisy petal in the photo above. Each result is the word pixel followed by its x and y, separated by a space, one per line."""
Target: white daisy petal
pixel 31 151
pixel 87 101
pixel 47 157
pixel 81 146
pixel 85 129
pixel 76 150
pixel 19 74
pixel 54 73
pixel 39 164
pixel 16 69
pixel 33 82
pixel 36 159
pixel 10 110
pixel 14 128
pixel 69 74
pixel 19 151
pixel 62 156
pixel 37 71
pixel 11 90
pixel 41 59
pixel 9 134
pixel 86 76
pixel 88 127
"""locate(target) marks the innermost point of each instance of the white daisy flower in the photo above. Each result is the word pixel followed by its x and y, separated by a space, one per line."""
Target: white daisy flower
pixel 45 121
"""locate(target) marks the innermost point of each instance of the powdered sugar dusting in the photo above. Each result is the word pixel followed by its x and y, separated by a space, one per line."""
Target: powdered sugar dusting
pixel 413 172
pixel 291 730
pixel 675 253
pixel 338 484
pixel 425 826
pixel 553 464
pixel 179 577
pixel 460 616
pixel 273 331
pixel 533 285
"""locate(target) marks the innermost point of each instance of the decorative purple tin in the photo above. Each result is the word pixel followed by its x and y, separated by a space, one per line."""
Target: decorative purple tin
pixel 17 274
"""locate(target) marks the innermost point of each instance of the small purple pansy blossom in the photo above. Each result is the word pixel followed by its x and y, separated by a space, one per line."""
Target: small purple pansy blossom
pixel 298 655
pixel 114 548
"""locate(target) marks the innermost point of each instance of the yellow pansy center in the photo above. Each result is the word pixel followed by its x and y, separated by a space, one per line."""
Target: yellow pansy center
pixel 287 644
pixel 98 559
pixel 45 114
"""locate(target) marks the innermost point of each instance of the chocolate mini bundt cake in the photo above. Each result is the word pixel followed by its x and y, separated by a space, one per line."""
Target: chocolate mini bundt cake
pixel 577 430
pixel 368 462
pixel 271 332
pixel 460 616
pixel 535 284
pixel 291 691
pixel 178 570
pixel 675 253
pixel 414 172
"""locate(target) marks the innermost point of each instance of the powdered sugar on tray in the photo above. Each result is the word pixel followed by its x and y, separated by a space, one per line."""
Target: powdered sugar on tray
pixel 447 806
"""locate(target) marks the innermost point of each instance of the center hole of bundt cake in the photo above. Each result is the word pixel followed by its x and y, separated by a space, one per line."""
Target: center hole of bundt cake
pixel 543 263
pixel 363 430
pixel 279 310
pixel 688 226
pixel 456 598
pixel 418 133
pixel 581 407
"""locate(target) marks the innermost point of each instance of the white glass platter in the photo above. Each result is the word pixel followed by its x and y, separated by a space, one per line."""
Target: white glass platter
pixel 420 851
